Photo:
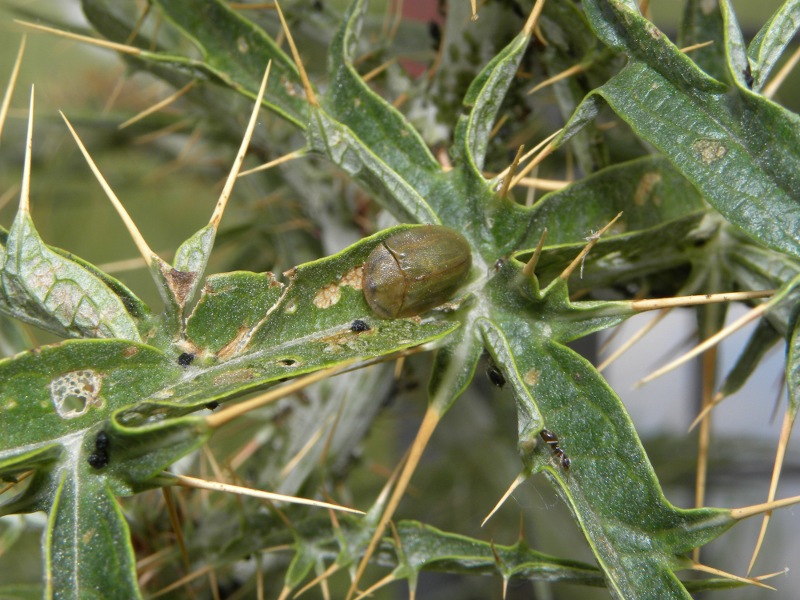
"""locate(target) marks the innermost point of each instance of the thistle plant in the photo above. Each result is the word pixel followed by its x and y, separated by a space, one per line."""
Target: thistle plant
pixel 671 180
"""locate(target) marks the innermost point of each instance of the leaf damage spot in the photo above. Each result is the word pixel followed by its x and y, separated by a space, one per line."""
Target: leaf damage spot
pixel 644 190
pixel 709 151
pixel 654 31
pixel 330 294
pixel 180 283
pixel 74 393
pixel 242 45
pixel 327 296
pixel 235 377
pixel 130 351
pixel 531 377
pixel 354 278
pixel 234 346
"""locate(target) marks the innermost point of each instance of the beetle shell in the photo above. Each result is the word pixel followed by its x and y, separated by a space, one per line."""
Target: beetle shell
pixel 415 270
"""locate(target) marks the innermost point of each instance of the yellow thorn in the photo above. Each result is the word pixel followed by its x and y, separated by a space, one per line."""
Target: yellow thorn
pixel 593 239
pixel 712 341
pixel 158 105
pixel 698 299
pixel 756 509
pixel 310 96
pixel 310 443
pixel 12 82
pixel 521 478
pixel 228 414
pixel 426 429
pixel 9 194
pixel 277 161
pixel 502 174
pixel 217 486
pixel 546 151
pixel 771 89
pixel 378 70
pixel 512 168
pixel 324 575
pixel 83 38
pixel 697 46
pixel 216 217
pixel 548 185
pixel 138 25
pixel 147 254
pixel 497 126
pixel 252 6
pixel 172 512
pixel 783 442
pixel 712 571
pixel 633 339
pixel 718 397
pixel 25 189
pixel 579 68
pixel 376 586
pixel 533 17
pixel 708 370
pixel 529 267
pixel 182 581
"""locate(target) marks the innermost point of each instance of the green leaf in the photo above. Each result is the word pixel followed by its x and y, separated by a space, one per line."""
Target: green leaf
pixel 735 51
pixel 793 370
pixel 737 147
pixel 235 51
pixel 752 267
pixel 54 392
pixel 761 341
pixel 189 266
pixel 46 288
pixel 425 548
pixel 637 536
pixel 529 419
pixel 453 368
pixel 703 23
pixel 483 100
pixel 368 138
pixel 771 40
pixel 88 543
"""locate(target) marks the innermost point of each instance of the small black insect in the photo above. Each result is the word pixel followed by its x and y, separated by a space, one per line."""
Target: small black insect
pixel 495 375
pixel 99 458
pixel 551 440
pixel 358 326
pixel 435 31
pixel 212 405
pixel 101 442
pixel 549 437
pixel 185 359
pixel 748 76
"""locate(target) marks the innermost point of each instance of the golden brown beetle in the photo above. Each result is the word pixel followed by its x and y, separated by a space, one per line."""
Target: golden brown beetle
pixel 415 270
